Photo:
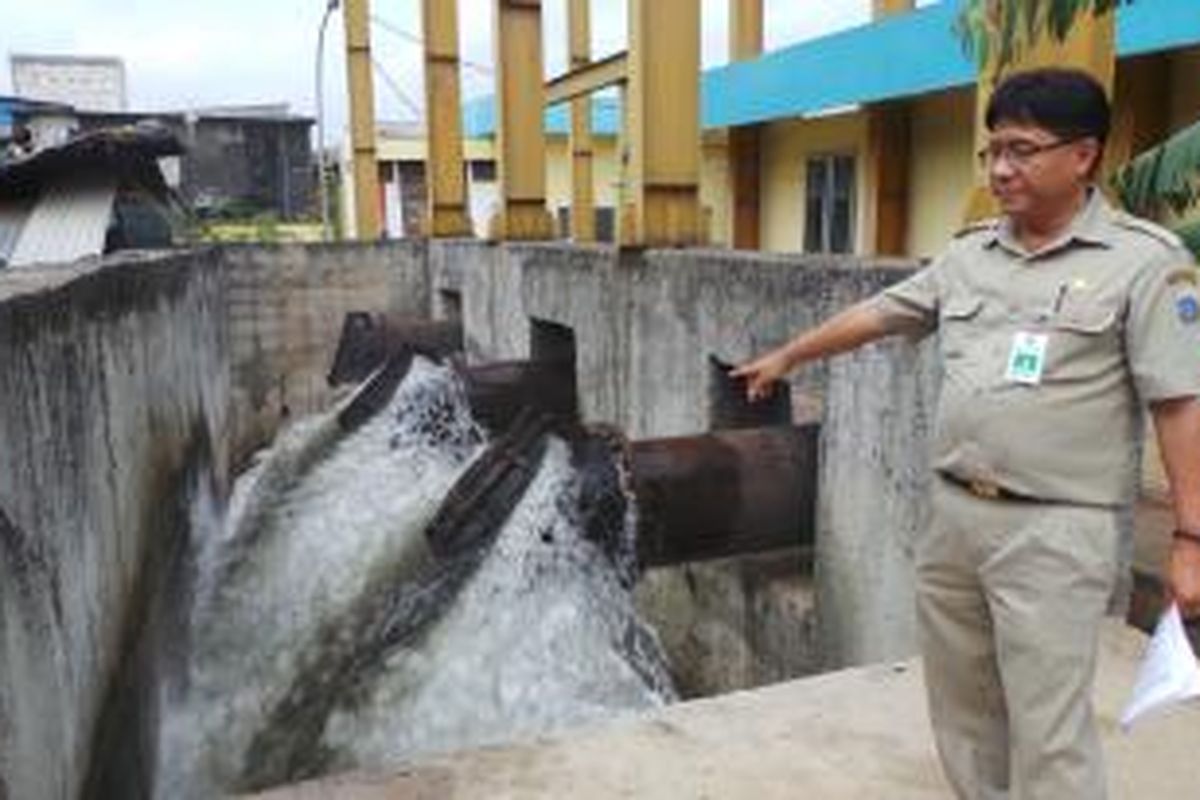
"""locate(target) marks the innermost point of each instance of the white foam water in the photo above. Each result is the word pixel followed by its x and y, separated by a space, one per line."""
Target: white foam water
pixel 543 637
pixel 283 680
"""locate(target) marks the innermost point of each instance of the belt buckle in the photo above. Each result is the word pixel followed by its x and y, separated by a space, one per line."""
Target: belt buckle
pixel 985 489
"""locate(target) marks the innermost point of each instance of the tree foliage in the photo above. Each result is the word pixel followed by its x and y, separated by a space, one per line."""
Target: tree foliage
pixel 1164 176
pixel 1007 28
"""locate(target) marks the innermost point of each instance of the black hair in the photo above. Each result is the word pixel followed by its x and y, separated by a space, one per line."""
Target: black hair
pixel 1067 102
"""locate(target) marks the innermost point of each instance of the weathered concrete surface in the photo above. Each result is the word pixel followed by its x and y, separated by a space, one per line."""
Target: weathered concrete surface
pixel 129 387
pixel 860 734
pixel 876 435
pixel 114 382
pixel 645 324
pixel 734 623
pixel 286 306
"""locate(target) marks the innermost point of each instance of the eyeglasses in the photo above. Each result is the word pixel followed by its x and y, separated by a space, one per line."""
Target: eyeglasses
pixel 1020 153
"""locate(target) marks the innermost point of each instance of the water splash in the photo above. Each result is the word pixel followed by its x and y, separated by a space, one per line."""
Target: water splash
pixel 326 637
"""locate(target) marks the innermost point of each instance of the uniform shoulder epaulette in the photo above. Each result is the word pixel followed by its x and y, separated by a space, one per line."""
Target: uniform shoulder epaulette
pixel 1130 222
pixel 978 226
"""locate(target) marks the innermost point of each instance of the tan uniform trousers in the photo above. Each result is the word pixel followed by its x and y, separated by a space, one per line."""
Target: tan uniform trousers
pixel 1010 596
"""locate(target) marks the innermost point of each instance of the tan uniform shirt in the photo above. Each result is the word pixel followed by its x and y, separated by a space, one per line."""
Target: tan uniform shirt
pixel 1046 354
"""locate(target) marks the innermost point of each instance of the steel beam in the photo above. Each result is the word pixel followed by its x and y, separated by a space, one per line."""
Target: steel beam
pixel 1090 46
pixel 367 214
pixel 520 132
pixel 583 193
pixel 745 29
pixel 586 77
pixel 745 143
pixel 664 117
pixel 446 209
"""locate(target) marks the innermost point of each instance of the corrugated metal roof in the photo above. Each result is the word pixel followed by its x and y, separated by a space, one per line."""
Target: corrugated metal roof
pixel 69 222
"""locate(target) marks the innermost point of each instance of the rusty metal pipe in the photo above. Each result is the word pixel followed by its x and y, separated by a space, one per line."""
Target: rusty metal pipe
pixel 368 340
pixel 724 494
pixel 499 392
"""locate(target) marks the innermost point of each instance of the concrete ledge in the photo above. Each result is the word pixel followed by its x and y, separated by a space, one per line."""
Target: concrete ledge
pixel 860 734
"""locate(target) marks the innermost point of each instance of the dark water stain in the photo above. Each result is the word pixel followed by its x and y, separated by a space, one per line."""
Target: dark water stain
pixel 155 635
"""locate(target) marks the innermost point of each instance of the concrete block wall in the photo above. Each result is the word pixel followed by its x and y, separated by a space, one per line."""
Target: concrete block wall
pixel 287 304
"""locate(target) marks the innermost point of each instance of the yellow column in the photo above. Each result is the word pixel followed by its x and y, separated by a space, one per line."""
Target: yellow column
pixel 883 8
pixel 520 131
pixel 664 113
pixel 1141 117
pixel 362 120
pixel 888 163
pixel 583 198
pixel 745 170
pixel 446 210
pixel 1090 46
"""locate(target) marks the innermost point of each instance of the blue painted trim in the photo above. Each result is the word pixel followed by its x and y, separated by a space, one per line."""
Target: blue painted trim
pixel 1149 26
pixel 479 117
pixel 905 55
pixel 902 56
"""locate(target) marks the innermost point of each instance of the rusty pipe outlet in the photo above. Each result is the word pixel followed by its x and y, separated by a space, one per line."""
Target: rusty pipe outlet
pixel 724 494
pixel 498 392
pixel 368 340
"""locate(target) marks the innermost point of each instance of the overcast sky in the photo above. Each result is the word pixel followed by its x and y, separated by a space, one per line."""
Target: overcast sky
pixel 217 52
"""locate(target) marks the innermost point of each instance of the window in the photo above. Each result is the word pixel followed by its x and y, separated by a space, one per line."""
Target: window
pixel 606 221
pixel 829 210
pixel 482 171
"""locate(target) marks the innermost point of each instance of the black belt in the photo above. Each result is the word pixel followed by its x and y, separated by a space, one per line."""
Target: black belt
pixel 987 489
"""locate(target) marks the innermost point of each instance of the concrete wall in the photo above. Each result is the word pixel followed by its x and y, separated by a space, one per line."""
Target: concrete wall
pixel 645 324
pixel 286 306
pixel 130 389
pixel 115 389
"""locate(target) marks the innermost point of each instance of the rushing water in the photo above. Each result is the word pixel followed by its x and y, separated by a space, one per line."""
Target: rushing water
pixel 325 636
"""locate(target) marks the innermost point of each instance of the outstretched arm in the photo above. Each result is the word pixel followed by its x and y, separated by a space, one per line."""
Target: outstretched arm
pixel 854 327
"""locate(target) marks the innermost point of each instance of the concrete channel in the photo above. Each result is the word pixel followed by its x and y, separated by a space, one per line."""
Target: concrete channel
pixel 135 388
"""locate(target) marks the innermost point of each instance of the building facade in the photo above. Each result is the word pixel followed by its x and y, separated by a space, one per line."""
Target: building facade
pixel 87 83
pixel 815 103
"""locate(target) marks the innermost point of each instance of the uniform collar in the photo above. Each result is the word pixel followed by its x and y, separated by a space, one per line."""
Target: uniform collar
pixel 1093 225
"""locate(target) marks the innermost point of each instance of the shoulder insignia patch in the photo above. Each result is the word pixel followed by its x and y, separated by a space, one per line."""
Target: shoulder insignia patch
pixel 1180 276
pixel 1188 308
pixel 1130 222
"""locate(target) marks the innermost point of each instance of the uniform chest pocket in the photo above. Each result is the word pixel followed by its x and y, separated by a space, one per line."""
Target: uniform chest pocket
pixel 1084 340
pixel 959 325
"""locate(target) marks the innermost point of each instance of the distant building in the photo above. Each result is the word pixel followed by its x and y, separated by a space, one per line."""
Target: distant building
pixel 98 193
pixel 237 161
pixel 88 83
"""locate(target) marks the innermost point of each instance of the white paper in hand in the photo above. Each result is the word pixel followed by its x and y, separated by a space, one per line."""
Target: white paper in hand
pixel 1169 673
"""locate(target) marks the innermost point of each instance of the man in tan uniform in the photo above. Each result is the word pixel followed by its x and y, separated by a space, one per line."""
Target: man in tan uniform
pixel 1057 322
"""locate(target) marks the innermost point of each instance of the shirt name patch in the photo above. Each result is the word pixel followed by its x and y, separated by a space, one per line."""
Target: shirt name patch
pixel 1027 358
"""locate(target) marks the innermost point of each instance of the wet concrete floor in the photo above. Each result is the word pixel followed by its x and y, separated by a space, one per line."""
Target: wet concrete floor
pixel 860 734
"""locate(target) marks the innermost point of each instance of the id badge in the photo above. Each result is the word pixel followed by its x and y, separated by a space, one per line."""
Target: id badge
pixel 1027 358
